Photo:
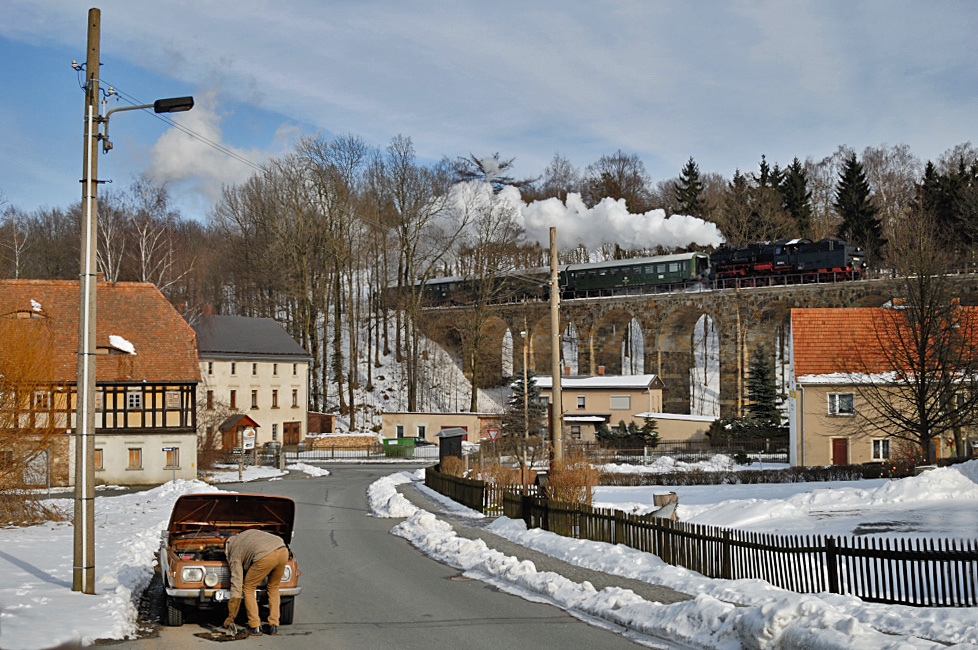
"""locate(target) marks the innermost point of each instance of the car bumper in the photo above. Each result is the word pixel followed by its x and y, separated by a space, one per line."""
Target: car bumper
pixel 206 596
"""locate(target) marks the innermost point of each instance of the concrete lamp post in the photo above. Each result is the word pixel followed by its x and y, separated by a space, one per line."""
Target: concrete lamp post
pixel 83 570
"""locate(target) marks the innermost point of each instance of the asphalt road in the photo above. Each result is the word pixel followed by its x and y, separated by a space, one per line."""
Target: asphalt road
pixel 365 588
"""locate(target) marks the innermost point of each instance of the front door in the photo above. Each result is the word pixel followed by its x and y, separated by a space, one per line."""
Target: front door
pixel 291 433
pixel 840 451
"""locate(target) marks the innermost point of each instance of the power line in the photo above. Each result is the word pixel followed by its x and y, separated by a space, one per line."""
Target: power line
pixel 162 117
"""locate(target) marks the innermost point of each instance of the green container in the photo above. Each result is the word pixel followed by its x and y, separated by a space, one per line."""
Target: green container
pixel 399 447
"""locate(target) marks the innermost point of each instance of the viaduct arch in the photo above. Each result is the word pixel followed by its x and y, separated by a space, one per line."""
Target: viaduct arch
pixel 742 320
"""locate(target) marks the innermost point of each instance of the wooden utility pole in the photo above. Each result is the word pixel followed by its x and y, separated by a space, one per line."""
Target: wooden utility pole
pixel 557 411
pixel 83 572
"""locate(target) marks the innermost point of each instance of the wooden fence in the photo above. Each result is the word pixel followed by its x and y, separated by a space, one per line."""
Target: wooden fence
pixel 917 572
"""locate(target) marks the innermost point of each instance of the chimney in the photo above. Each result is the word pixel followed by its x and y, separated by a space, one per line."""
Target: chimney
pixel 566 370
pixel 207 309
pixel 600 370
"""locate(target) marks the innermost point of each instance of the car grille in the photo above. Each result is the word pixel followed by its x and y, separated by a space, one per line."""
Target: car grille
pixel 223 574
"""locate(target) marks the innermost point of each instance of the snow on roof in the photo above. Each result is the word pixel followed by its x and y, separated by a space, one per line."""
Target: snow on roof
pixel 120 343
pixel 635 382
pixel 849 378
pixel 585 418
pixel 677 416
pixel 35 305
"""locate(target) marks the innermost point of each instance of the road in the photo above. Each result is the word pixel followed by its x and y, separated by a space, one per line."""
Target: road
pixel 365 588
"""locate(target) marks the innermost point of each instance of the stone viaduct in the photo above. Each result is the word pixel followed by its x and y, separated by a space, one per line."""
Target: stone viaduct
pixel 742 319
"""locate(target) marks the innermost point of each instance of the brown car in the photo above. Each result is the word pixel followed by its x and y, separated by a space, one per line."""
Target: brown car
pixel 192 562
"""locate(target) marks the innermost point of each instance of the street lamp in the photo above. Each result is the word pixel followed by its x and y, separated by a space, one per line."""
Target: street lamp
pixel 83 570
pixel 169 105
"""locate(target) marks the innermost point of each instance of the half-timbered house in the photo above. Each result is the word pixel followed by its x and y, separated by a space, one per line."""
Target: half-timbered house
pixel 146 378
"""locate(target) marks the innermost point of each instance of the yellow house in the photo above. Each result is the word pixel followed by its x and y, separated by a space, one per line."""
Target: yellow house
pixel 591 401
pixel 825 399
pixel 424 426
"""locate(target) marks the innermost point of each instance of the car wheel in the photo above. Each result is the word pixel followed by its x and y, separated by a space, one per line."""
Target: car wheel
pixel 287 611
pixel 174 615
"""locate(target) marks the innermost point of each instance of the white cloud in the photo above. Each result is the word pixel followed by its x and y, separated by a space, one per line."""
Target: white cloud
pixel 193 163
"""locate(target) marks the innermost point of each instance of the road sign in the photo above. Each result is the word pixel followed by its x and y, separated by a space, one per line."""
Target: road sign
pixel 493 433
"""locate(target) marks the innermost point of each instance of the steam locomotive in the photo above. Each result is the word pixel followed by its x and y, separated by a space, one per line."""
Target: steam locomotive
pixel 794 261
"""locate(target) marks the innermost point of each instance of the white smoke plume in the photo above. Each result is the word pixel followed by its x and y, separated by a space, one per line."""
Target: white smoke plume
pixel 609 222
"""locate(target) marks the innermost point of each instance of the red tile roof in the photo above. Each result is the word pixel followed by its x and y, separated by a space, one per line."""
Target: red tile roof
pixel 165 345
pixel 829 340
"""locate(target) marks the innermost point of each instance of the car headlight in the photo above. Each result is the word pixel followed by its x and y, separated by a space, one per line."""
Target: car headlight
pixel 211 580
pixel 192 574
pixel 287 574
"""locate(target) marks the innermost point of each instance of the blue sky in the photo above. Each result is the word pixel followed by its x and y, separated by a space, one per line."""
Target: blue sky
pixel 723 82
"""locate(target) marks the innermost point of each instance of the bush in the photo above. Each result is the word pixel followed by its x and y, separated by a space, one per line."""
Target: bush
pixel 496 473
pixel 789 475
pixel 572 480
pixel 453 466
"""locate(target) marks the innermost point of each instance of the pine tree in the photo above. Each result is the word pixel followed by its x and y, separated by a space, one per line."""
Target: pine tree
pixel 797 198
pixel 762 394
pixel 689 190
pixel 853 202
pixel 516 420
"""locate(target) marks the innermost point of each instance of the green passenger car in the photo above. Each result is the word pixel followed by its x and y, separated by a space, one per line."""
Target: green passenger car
pixel 637 275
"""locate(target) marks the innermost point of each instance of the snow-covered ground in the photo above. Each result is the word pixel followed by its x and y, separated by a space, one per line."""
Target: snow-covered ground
pixel 725 614
pixel 39 610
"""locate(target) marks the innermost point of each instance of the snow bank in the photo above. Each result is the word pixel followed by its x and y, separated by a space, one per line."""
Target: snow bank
pixel 38 608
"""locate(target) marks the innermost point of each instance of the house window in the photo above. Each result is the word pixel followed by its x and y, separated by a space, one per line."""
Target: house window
pixel 254 369
pixel 210 367
pixel 172 458
pixel 275 369
pixel 134 400
pixel 275 432
pixel 576 432
pixel 254 399
pixel 841 404
pixel 581 400
pixel 234 399
pixel 621 402
pixel 42 400
pixel 295 398
pixel 210 400
pixel 881 449
pixel 234 368
pixel 99 401
pixel 135 458
pixel 421 430
pixel 173 399
pixel 97 462
pixel 295 369
pixel 400 430
pixel 274 399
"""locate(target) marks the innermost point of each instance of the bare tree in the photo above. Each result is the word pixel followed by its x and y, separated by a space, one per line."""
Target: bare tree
pixel 490 246
pixel 13 238
pixel 893 172
pixel 33 414
pixel 425 231
pixel 618 176
pixel 920 370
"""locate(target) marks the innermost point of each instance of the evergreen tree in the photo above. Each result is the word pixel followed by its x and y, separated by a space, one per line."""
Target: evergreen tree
pixel 853 202
pixel 797 198
pixel 763 417
pixel 629 435
pixel 689 190
pixel 516 418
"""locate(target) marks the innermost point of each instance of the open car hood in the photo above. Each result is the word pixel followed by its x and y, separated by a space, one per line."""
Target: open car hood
pixel 229 512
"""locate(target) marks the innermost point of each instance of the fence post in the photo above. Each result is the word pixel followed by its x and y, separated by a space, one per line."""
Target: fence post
pixel 832 565
pixel 525 506
pixel 726 567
